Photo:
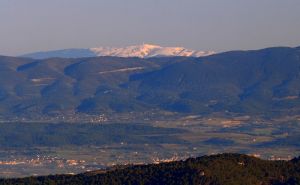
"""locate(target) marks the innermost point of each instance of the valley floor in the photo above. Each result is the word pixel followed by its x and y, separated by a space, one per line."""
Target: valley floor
pixel 30 149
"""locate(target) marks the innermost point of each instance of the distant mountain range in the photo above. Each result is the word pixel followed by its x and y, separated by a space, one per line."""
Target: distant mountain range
pixel 142 51
pixel 250 82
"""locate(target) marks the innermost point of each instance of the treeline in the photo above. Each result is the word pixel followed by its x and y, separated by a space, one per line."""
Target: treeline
pixel 223 169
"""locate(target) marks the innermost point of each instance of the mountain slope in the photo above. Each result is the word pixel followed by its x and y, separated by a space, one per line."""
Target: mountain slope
pixel 243 81
pixel 249 82
pixel 142 51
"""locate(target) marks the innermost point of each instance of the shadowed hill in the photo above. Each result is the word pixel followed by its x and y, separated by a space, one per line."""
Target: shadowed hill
pixel 262 81
pixel 241 81
pixel 224 169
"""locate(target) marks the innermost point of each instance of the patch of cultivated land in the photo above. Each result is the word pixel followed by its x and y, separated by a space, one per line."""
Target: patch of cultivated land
pixel 41 149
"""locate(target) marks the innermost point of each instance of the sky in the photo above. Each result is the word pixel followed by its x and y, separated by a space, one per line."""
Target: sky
pixel 218 25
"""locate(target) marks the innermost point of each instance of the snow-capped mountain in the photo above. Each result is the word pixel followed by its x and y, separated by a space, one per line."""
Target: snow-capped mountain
pixel 148 50
pixel 142 51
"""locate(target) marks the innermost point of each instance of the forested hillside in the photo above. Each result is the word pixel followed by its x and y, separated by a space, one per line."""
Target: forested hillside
pixel 224 169
pixel 251 82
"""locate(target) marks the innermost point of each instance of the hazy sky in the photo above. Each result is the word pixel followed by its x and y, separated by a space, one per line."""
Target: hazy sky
pixel 220 25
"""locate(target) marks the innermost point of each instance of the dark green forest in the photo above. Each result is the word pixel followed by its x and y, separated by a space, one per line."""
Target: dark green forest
pixel 222 169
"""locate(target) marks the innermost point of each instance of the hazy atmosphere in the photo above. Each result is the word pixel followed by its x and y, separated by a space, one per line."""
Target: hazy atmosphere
pixel 35 25
pixel 146 92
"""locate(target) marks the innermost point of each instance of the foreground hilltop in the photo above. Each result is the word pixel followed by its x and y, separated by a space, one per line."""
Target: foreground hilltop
pixel 224 169
pixel 141 51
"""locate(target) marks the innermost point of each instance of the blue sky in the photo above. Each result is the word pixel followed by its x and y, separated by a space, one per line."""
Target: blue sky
pixel 220 25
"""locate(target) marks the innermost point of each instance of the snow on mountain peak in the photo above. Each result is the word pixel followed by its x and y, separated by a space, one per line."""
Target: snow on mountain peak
pixel 148 50
pixel 142 51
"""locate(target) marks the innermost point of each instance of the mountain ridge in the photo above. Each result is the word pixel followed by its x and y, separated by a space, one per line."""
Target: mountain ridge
pixel 141 51
pixel 249 82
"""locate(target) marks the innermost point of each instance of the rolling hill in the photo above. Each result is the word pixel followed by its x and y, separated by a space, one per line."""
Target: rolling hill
pixel 252 82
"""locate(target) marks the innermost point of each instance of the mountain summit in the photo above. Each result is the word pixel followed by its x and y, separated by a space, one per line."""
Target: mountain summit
pixel 148 50
pixel 141 51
